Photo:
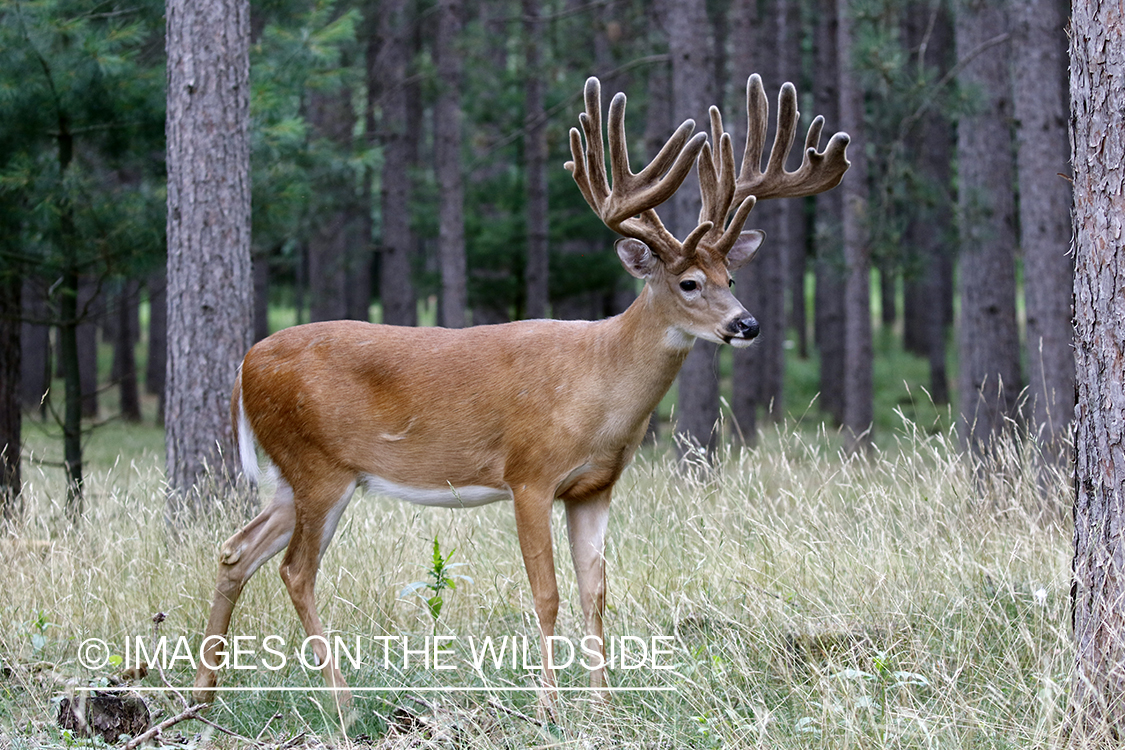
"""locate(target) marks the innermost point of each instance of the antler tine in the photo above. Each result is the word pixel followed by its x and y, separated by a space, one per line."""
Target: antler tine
pixel 819 170
pixel 717 188
pixel 627 206
pixel 589 172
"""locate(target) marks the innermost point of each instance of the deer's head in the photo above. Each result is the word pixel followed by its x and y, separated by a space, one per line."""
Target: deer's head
pixel 692 278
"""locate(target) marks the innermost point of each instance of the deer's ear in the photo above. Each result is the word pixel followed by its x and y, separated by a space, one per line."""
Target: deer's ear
pixel 744 249
pixel 638 260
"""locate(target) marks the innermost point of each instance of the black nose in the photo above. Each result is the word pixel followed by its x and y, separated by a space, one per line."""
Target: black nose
pixel 746 327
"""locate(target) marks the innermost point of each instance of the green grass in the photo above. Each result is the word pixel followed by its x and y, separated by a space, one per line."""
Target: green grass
pixel 812 600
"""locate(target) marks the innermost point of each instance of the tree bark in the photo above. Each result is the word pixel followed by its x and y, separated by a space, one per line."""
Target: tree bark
pixel 830 265
pixel 157 365
pixel 988 339
pixel 210 283
pixel 447 158
pixel 931 229
pixel 89 311
pixel 488 309
pixel 396 287
pixel 35 346
pixel 535 159
pixel 332 119
pixel 124 350
pixel 758 371
pixel 859 410
pixel 795 242
pixel 1045 199
pixel 10 415
pixel 72 390
pixel 689 42
pixel 1097 135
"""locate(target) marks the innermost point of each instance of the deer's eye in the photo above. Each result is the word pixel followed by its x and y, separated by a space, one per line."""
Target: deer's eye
pixel 689 285
pixel 730 283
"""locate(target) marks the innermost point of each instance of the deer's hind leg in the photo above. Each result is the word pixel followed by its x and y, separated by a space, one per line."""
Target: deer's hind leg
pixel 318 510
pixel 240 556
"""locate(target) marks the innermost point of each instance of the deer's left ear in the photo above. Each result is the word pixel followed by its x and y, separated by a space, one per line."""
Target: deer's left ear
pixel 744 248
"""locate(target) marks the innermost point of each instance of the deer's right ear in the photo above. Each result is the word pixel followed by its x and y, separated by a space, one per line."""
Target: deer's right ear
pixel 636 257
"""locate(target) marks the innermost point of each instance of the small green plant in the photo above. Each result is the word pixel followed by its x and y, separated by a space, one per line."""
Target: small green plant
pixel 442 580
pixel 39 632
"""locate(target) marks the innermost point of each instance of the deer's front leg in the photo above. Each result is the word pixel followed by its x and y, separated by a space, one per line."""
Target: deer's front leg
pixel 533 526
pixel 586 522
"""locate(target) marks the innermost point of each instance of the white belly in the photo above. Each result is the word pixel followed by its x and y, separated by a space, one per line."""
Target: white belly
pixel 442 497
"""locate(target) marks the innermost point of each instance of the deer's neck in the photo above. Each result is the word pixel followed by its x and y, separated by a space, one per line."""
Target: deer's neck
pixel 648 350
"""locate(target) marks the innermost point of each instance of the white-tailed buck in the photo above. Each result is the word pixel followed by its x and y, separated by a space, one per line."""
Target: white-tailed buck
pixel 533 411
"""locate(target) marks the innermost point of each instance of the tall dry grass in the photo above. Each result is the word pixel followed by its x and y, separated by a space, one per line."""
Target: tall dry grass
pixel 902 598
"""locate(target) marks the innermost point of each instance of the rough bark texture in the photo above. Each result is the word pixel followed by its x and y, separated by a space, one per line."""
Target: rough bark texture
pixel 335 225
pixel 487 309
pixel 124 351
pixel 830 267
pixel 10 416
pixel 758 371
pixel 1045 198
pixel 157 365
pixel 447 157
pixel 535 167
pixel 795 242
pixel 210 284
pixel 35 345
pixel 931 232
pixel 988 339
pixel 72 391
pixel 689 42
pixel 89 311
pixel 859 409
pixel 1097 90
pixel 388 82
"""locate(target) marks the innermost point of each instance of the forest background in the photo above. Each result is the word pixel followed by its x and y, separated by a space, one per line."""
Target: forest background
pixel 406 168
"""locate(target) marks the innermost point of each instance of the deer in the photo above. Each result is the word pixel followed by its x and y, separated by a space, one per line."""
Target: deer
pixel 532 411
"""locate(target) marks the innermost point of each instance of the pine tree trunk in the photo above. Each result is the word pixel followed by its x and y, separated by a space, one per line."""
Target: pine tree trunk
pixel 795 242
pixel 90 310
pixel 689 41
pixel 859 410
pixel 758 371
pixel 69 361
pixel 448 166
pixel 157 365
pixel 332 119
pixel 888 293
pixel 830 265
pixel 10 415
pixel 1098 590
pixel 35 346
pixel 535 167
pixel 1045 200
pixel 988 339
pixel 210 283
pixel 931 227
pixel 488 309
pixel 124 351
pixel 396 288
